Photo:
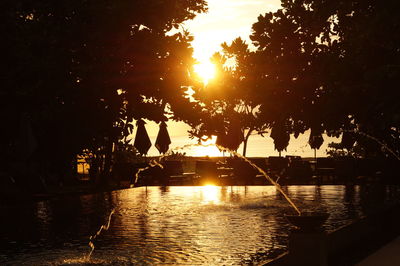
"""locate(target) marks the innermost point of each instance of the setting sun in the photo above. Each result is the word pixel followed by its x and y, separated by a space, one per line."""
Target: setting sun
pixel 210 194
pixel 208 148
pixel 205 70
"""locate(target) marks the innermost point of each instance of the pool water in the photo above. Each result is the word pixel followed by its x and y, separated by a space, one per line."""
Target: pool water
pixel 173 225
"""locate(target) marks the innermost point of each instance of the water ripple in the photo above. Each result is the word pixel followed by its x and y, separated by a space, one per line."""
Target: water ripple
pixel 183 225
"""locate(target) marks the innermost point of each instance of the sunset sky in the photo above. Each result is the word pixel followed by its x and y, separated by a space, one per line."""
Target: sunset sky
pixel 225 21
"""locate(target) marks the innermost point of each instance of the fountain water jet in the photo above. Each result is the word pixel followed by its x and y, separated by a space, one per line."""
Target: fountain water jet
pixel 383 145
pixel 105 227
pixel 157 162
pixel 308 220
pixel 261 171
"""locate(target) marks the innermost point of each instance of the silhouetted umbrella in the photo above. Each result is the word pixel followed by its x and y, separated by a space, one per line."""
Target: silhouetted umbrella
pixel 281 137
pixel 232 139
pixel 163 140
pixel 142 141
pixel 315 141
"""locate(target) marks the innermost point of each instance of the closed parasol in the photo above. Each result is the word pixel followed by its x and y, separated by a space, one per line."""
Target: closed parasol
pixel 281 137
pixel 232 139
pixel 142 141
pixel 315 141
pixel 235 137
pixel 163 140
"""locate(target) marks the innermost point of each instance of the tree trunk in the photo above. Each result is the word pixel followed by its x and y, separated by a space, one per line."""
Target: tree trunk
pixel 246 138
pixel 244 147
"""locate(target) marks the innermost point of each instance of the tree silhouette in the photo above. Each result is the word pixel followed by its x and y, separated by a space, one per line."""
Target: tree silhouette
pixel 328 66
pixel 331 65
pixel 230 108
pixel 82 70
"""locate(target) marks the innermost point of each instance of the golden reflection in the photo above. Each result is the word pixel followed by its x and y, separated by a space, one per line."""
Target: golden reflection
pixel 210 194
pixel 205 70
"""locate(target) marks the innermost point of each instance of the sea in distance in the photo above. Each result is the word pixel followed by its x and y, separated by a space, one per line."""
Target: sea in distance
pixel 257 146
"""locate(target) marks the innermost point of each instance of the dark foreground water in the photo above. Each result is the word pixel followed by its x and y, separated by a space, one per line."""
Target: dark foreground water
pixel 173 225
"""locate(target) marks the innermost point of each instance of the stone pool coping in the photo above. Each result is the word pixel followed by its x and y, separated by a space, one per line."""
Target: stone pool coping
pixel 386 256
pixel 352 243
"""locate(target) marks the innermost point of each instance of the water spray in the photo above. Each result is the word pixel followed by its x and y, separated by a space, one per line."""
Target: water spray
pixel 261 171
pixel 381 143
pixel 157 162
pixel 93 237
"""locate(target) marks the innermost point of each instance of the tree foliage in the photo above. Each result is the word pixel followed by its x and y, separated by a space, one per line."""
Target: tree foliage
pixel 328 66
pixel 82 70
pixel 230 107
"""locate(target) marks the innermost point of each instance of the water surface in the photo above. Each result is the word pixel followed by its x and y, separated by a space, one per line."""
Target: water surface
pixel 173 225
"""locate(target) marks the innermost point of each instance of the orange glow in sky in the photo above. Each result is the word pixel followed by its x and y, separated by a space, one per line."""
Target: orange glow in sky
pixel 225 21
pixel 209 149
pixel 205 70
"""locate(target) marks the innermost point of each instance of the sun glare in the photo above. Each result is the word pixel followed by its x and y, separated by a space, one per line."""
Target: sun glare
pixel 210 194
pixel 208 148
pixel 205 70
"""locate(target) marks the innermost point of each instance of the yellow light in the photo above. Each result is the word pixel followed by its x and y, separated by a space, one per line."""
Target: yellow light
pixel 208 148
pixel 205 70
pixel 210 194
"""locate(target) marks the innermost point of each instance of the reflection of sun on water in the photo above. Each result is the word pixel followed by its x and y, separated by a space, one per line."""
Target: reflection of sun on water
pixel 210 194
pixel 205 70
pixel 208 150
